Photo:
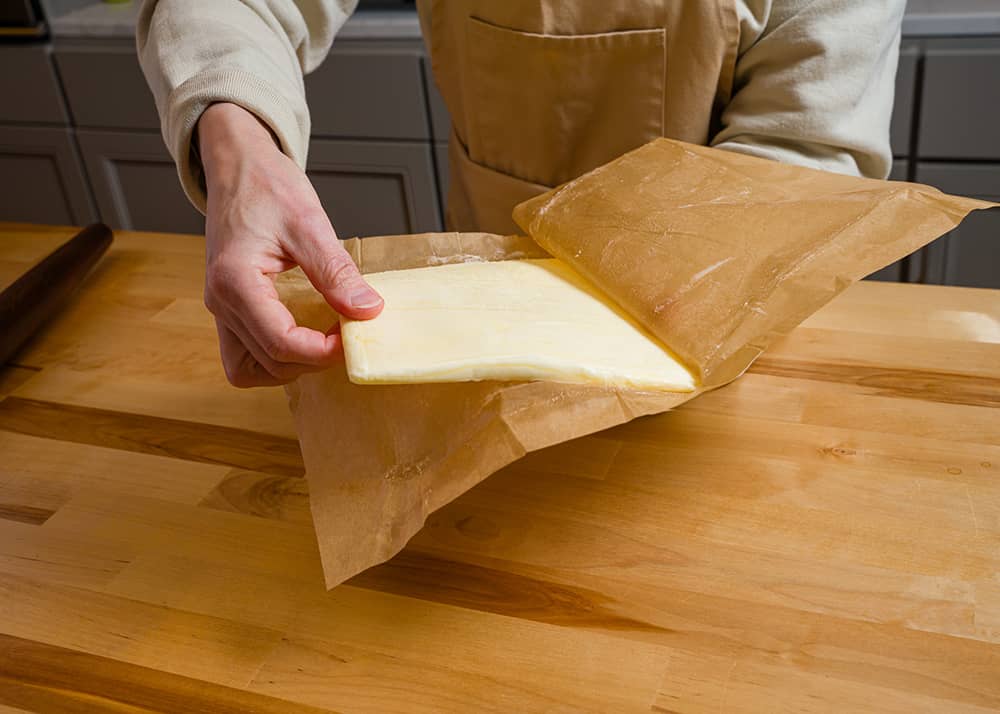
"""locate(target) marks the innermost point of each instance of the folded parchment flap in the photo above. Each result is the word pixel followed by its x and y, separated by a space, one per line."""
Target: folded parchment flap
pixel 717 253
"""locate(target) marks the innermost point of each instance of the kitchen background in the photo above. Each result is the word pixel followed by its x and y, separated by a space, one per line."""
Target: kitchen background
pixel 79 135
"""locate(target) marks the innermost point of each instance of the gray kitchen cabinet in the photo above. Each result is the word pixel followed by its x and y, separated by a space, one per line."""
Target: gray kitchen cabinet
pixel 961 102
pixel 900 170
pixel 105 87
pixel 900 128
pixel 375 187
pixel 135 182
pixel 441 132
pixel 896 272
pixel 41 180
pixel 29 86
pixel 366 90
pixel 970 254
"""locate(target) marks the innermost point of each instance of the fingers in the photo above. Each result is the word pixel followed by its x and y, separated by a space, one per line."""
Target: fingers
pixel 258 337
pixel 332 271
pixel 273 328
pixel 246 366
pixel 263 218
pixel 242 370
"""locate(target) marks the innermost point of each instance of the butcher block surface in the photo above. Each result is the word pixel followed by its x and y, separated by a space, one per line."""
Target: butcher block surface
pixel 823 535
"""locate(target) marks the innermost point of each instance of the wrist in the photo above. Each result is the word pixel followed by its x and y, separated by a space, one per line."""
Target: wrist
pixel 227 135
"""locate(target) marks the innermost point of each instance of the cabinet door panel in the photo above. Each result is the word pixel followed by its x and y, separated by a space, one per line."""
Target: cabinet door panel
pixel 902 110
pixel 41 180
pixel 970 254
pixel 441 131
pixel 29 87
pixel 105 87
pixel 136 184
pixel 960 104
pixel 375 187
pixel 369 92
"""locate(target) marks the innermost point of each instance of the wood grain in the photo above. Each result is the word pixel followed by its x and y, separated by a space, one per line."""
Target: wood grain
pixel 823 535
pixel 24 514
pixel 945 387
pixel 178 439
pixel 426 577
pixel 57 680
pixel 260 494
pixel 13 376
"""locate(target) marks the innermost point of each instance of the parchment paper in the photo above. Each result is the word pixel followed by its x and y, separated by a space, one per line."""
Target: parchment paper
pixel 714 252
pixel 718 253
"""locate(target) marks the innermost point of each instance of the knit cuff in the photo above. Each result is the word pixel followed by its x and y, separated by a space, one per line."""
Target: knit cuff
pixel 288 118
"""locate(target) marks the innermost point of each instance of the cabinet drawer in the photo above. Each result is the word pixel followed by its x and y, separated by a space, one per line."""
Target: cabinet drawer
pixel 375 187
pixel 960 109
pixel 28 86
pixel 136 184
pixel 105 88
pixel 41 180
pixel 980 180
pixel 367 93
pixel 902 109
pixel 970 254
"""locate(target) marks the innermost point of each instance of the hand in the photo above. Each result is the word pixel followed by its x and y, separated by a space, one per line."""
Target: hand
pixel 264 218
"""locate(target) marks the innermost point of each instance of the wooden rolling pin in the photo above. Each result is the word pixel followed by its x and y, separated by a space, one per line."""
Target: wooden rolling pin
pixel 37 295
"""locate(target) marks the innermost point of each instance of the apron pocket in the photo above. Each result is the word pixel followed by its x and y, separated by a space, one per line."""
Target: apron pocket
pixel 547 108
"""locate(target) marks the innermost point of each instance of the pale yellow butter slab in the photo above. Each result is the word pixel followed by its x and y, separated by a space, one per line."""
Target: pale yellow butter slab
pixel 507 320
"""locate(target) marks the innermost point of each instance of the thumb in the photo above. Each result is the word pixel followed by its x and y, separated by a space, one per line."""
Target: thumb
pixel 333 273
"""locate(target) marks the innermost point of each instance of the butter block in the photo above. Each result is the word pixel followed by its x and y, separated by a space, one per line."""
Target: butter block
pixel 507 320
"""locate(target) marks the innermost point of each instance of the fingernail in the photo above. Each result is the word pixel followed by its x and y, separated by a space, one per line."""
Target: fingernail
pixel 365 297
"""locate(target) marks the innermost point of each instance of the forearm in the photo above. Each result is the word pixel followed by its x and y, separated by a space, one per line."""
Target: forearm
pixel 816 87
pixel 228 136
pixel 251 53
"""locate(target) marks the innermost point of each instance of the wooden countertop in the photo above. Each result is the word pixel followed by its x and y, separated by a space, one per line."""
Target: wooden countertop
pixel 822 535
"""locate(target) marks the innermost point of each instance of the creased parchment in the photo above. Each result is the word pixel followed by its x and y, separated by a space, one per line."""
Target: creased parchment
pixel 714 252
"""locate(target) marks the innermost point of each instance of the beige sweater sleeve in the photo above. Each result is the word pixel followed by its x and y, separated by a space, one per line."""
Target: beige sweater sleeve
pixel 814 83
pixel 249 52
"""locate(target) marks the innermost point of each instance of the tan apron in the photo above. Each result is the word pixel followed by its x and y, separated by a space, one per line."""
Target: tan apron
pixel 541 91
